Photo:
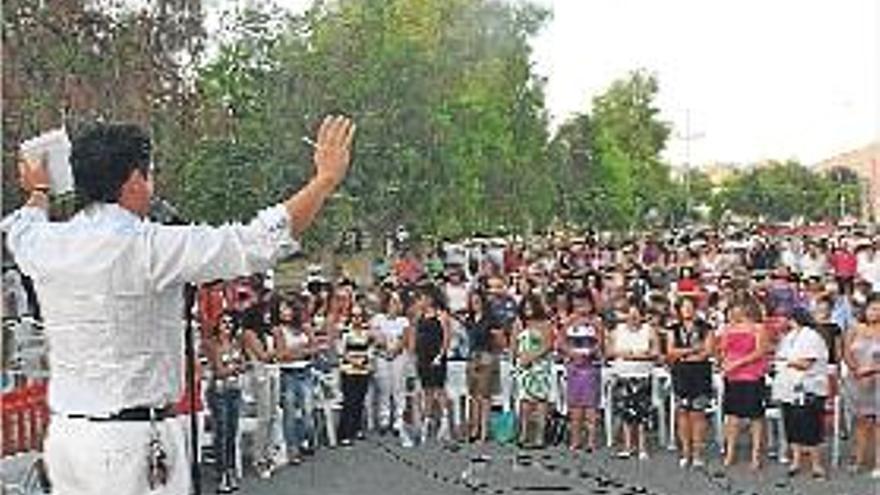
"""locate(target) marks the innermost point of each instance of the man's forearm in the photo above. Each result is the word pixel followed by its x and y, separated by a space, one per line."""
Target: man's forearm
pixel 303 207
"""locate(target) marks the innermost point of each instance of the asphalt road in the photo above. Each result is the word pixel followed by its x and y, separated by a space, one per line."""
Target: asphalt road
pixel 381 467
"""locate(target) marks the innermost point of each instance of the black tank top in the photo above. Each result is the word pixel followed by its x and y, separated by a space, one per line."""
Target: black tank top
pixel 429 338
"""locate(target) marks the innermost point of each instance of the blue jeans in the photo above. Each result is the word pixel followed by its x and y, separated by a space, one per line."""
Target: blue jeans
pixel 225 404
pixel 297 403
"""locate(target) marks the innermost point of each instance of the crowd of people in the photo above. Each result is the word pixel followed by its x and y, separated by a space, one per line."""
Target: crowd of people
pixel 744 323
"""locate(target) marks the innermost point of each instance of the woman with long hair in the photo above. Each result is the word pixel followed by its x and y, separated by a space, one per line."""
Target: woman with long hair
pixel 533 369
pixel 430 346
pixel 862 356
pixel 226 361
pixel 295 347
pixel 482 367
pixel 690 343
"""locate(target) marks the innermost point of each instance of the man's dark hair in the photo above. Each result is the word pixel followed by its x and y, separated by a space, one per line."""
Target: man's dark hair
pixel 103 156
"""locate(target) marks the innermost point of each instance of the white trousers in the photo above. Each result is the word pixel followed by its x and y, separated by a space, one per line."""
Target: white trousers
pixel 389 389
pixel 110 457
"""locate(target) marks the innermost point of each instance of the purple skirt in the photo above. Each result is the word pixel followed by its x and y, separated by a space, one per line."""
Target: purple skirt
pixel 584 384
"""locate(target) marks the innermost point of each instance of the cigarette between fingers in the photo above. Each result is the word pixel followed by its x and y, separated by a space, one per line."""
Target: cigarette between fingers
pixel 309 141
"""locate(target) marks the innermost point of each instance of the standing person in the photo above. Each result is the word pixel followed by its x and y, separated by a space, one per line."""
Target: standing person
pixel 633 347
pixel 389 326
pixel 862 356
pixel 802 378
pixel 743 348
pixel 226 361
pixel 355 368
pixel 845 265
pixel 533 370
pixel 111 288
pixel 261 380
pixel 482 368
pixel 691 342
pixel 295 348
pixel 583 347
pixel 430 345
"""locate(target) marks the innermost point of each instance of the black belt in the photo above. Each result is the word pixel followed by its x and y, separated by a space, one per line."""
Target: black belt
pixel 132 414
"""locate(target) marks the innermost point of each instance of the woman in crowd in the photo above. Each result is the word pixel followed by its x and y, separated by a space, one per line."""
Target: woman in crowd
pixel 226 362
pixel 261 381
pixel 482 368
pixel 389 326
pixel 743 349
pixel 632 347
pixel 690 343
pixel 430 345
pixel 862 356
pixel 583 347
pixel 295 348
pixel 802 377
pixel 356 368
pixel 533 342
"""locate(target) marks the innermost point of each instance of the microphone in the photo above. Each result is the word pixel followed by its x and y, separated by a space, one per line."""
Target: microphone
pixel 162 211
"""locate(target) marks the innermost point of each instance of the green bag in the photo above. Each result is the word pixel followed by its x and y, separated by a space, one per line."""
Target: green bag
pixel 502 427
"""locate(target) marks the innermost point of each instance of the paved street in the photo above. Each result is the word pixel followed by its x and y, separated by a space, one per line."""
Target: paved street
pixel 378 467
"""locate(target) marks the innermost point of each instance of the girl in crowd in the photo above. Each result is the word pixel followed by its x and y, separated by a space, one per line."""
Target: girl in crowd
pixel 583 345
pixel 355 368
pixel 482 369
pixel 862 356
pixel 690 343
pixel 261 382
pixel 533 371
pixel 295 346
pixel 743 349
pixel 430 345
pixel 802 375
pixel 633 347
pixel 226 363
pixel 389 326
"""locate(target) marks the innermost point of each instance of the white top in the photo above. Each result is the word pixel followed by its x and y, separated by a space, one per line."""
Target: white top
pixel 801 343
pixel 390 328
pixel 869 270
pixel 626 340
pixel 813 265
pixel 294 339
pixel 110 287
pixel 457 297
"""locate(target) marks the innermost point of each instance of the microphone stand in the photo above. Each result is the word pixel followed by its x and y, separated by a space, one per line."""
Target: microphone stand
pixel 189 297
pixel 163 212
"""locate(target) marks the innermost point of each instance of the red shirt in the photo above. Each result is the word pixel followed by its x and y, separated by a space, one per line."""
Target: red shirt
pixel 210 303
pixel 845 263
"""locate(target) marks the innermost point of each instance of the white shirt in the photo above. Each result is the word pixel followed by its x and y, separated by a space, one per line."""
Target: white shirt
pixel 110 288
pixel 457 297
pixel 390 328
pixel 813 265
pixel 801 343
pixel 869 270
pixel 626 340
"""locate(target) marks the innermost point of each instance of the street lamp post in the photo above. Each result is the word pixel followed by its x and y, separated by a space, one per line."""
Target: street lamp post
pixel 687 137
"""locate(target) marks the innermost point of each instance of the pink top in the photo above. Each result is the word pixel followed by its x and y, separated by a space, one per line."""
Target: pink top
pixel 737 342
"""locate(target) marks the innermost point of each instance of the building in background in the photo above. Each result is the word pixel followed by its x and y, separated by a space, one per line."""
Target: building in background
pixel 865 163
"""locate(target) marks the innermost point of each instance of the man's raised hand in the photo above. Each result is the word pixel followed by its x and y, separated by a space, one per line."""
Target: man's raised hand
pixel 333 148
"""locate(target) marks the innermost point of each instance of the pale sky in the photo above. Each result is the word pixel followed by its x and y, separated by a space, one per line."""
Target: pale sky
pixel 762 79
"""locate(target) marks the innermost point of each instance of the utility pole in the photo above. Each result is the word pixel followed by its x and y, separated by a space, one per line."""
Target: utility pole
pixel 687 137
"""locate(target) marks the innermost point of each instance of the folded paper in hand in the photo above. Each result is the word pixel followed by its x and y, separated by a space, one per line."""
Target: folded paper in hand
pixel 55 146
